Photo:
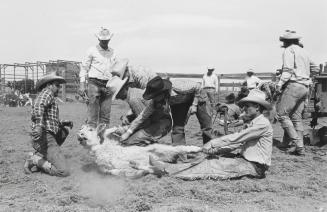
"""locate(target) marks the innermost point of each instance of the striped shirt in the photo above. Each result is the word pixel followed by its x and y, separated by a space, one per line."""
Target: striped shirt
pixel 135 100
pixel 140 76
pixel 45 111
pixel 98 63
pixel 184 91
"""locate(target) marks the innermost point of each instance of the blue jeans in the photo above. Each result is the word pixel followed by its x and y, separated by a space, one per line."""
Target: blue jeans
pixel 99 106
pixel 289 111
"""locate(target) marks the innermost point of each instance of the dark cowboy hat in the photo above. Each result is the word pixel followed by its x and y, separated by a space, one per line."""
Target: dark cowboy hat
pixel 156 87
pixel 40 84
pixel 230 97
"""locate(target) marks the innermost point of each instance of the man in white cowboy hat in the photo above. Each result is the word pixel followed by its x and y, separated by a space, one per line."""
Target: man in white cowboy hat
pixel 157 124
pixel 253 144
pixel 251 80
pixel 96 68
pixel 137 77
pixel 294 85
pixel 210 86
pixel 184 98
pixel 48 132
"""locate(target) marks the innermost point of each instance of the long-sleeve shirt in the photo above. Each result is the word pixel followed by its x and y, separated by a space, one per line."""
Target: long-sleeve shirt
pixel 210 81
pixel 45 112
pixel 182 91
pixel 140 76
pixel 296 66
pixel 98 63
pixel 255 141
pixel 135 100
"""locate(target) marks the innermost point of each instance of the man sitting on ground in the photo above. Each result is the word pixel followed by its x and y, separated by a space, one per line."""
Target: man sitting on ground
pixel 253 143
pixel 48 133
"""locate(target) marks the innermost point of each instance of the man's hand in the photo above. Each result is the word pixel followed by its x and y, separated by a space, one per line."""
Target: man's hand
pixel 37 133
pixel 82 88
pixel 124 120
pixel 125 136
pixel 193 109
pixel 209 149
pixel 67 123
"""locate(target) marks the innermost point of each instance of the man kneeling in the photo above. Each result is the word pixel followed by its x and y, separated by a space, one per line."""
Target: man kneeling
pixel 254 146
pixel 48 133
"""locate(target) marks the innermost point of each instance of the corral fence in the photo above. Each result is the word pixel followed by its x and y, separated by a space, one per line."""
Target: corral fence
pixel 23 76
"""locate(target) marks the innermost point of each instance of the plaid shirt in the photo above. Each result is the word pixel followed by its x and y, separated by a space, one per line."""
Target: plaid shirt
pixel 135 100
pixel 140 76
pixel 45 111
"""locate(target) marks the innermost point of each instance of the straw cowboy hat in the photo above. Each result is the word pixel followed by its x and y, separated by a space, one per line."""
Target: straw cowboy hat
pixel 289 35
pixel 51 77
pixel 156 87
pixel 115 84
pixel 104 34
pixel 120 67
pixel 258 97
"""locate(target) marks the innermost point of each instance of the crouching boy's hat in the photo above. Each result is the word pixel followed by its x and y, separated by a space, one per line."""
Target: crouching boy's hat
pixel 52 77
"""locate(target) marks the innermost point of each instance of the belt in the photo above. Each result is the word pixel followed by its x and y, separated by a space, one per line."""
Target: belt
pixel 98 82
pixel 209 88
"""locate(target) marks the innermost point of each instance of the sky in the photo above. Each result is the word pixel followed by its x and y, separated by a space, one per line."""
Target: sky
pixel 180 36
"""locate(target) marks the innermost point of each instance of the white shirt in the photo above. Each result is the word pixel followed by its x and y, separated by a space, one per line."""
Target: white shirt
pixel 252 82
pixel 210 81
pixel 296 66
pixel 98 63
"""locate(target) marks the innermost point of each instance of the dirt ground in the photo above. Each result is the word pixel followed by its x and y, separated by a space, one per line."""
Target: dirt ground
pixel 292 183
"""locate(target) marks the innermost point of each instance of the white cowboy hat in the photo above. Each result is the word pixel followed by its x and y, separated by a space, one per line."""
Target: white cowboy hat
pixel 258 97
pixel 289 35
pixel 115 84
pixel 120 67
pixel 211 68
pixel 104 34
pixel 51 77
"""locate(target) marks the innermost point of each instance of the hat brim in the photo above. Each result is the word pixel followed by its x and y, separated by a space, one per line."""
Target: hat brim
pixel 261 102
pixel 119 89
pixel 167 86
pixel 41 84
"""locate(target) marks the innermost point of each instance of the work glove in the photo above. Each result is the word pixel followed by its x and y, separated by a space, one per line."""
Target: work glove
pixel 124 120
pixel 37 133
pixel 67 123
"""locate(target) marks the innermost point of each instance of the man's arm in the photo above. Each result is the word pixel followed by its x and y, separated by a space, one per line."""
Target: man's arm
pixel 86 65
pixel 288 67
pixel 251 133
pixel 39 108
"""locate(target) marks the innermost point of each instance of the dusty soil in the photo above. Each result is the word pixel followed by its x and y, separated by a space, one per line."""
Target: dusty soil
pixel 292 183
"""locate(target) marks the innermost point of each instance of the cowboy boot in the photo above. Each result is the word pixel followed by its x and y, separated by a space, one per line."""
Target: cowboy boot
pixel 298 149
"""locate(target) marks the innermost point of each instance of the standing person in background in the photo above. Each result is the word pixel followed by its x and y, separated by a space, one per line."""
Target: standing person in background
pixel 294 87
pixel 210 86
pixel 97 67
pixel 251 80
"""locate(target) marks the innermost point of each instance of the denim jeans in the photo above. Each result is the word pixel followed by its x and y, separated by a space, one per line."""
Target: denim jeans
pixel 211 93
pixel 99 106
pixel 179 113
pixel 48 146
pixel 289 110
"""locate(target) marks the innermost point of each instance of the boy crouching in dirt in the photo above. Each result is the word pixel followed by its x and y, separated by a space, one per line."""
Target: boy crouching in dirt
pixel 48 133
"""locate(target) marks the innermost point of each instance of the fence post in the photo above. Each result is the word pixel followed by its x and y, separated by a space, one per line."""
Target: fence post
pixel 63 88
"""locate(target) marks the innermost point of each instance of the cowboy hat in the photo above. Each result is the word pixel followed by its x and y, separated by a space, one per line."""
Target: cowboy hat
pixel 258 97
pixel 211 68
pixel 115 84
pixel 289 35
pixel 104 34
pixel 156 87
pixel 51 77
pixel 120 67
